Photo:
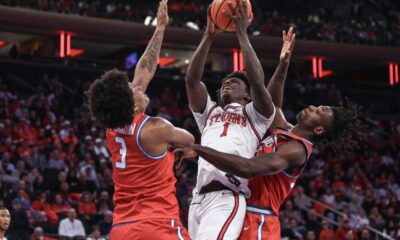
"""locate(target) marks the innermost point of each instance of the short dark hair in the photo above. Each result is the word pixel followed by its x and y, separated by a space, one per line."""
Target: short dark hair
pixel 111 101
pixel 347 131
pixel 240 75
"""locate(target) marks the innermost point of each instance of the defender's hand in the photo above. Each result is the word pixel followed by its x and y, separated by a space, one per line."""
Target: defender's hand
pixel 184 153
pixel 288 45
pixel 162 14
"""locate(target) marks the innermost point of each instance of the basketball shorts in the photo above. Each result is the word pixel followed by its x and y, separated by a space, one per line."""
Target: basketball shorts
pixel 160 229
pixel 260 224
pixel 216 215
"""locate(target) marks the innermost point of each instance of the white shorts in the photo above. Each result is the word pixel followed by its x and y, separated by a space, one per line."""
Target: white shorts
pixel 216 215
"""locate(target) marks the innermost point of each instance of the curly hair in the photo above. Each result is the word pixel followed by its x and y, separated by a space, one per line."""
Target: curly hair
pixel 348 129
pixel 111 101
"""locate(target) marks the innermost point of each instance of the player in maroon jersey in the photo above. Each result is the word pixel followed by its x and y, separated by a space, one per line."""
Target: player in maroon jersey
pixel 283 154
pixel 145 203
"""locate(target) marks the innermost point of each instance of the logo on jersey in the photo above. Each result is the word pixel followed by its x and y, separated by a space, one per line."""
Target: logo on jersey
pixel 229 117
pixel 232 179
pixel 266 146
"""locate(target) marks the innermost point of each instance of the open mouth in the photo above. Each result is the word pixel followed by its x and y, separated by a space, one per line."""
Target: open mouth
pixel 227 88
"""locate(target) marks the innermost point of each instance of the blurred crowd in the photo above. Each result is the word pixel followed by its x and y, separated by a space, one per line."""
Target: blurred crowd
pixel 56 177
pixel 356 21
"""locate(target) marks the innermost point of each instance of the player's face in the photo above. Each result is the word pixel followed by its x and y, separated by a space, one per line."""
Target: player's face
pixel 4 219
pixel 141 100
pixel 318 119
pixel 234 90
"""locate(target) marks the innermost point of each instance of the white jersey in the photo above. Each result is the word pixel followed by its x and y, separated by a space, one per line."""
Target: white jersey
pixel 234 129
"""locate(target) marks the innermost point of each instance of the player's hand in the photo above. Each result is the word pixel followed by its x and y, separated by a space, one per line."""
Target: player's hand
pixel 288 45
pixel 162 14
pixel 239 16
pixel 184 153
pixel 212 30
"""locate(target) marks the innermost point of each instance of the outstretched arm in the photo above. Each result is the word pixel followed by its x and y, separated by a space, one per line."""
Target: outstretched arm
pixel 147 64
pixel 196 90
pixel 276 85
pixel 260 96
pixel 291 154
pixel 164 133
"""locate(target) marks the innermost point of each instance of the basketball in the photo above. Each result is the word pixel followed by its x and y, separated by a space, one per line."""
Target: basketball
pixel 220 19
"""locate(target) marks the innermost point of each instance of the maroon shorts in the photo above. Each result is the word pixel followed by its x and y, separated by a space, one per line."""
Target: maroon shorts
pixel 168 229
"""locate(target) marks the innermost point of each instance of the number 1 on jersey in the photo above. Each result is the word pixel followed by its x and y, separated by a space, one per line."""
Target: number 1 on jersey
pixel 225 132
pixel 122 152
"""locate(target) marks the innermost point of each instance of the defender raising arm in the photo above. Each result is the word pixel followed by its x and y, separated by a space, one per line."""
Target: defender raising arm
pixel 147 64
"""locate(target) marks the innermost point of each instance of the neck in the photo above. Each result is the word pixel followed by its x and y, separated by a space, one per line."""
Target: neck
pixel 241 102
pixel 301 132
pixel 2 232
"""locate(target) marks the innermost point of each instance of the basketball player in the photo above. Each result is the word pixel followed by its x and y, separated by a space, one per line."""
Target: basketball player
pixel 4 222
pixel 236 126
pixel 283 155
pixel 145 203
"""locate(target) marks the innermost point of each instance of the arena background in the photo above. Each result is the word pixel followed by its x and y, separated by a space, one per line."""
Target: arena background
pixel 54 158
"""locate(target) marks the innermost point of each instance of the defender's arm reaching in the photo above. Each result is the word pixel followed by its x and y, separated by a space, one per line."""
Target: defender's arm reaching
pixel 147 64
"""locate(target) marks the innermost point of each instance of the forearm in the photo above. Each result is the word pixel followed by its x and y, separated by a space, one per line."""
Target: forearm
pixel 196 67
pixel 254 70
pixel 234 164
pixel 276 85
pixel 147 64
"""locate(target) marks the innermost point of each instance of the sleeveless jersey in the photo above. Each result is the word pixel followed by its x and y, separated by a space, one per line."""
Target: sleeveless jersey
pixel 233 129
pixel 269 192
pixel 144 184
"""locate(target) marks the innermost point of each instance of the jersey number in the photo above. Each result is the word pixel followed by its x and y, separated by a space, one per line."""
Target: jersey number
pixel 225 132
pixel 122 152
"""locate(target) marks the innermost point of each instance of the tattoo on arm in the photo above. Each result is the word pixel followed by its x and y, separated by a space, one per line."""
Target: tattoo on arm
pixel 150 57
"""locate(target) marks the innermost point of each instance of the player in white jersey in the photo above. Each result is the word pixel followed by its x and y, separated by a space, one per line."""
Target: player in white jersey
pixel 235 126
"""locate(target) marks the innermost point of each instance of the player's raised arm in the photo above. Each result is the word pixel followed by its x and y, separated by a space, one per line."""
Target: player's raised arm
pixel 255 73
pixel 147 64
pixel 290 154
pixel 276 85
pixel 196 90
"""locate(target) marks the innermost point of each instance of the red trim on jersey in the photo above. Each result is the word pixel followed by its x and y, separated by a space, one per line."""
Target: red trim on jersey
pixel 230 218
pixel 232 107
pixel 306 144
pixel 251 125
pixel 209 113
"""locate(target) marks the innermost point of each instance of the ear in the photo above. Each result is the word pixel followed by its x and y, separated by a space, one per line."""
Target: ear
pixel 248 97
pixel 319 130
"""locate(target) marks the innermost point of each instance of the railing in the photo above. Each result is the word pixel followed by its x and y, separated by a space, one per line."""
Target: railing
pixel 378 234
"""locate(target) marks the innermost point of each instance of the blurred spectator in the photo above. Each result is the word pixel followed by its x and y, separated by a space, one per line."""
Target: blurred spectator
pixel 19 226
pixel 311 235
pixel 326 233
pixel 106 224
pixel 70 226
pixel 38 234
pixel 95 234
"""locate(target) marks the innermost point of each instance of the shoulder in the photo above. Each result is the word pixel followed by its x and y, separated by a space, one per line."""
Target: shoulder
pixel 280 120
pixel 157 126
pixel 294 152
pixel 157 122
